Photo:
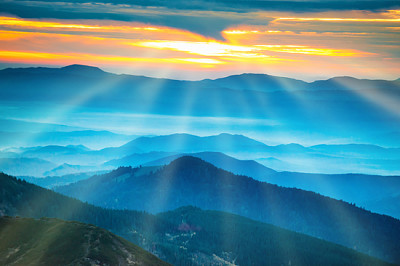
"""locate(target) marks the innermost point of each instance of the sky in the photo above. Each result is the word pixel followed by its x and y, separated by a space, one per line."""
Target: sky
pixel 206 39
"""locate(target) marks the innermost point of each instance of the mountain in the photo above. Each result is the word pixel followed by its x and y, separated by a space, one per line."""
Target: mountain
pixel 191 181
pixel 191 143
pixel 362 151
pixel 55 242
pixel 351 101
pixel 356 188
pixel 36 134
pixel 66 169
pixel 138 159
pixel 25 166
pixel 257 82
pixel 54 150
pixel 240 167
pixel 236 240
pixel 70 154
pixel 346 83
pixel 54 181
pixel 390 204
pixel 353 158
pixel 186 236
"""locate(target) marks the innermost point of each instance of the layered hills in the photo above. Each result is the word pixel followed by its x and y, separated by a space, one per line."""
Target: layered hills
pixel 184 236
pixel 191 181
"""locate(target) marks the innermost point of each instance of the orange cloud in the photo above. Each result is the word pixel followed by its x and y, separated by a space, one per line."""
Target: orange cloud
pixel 285 46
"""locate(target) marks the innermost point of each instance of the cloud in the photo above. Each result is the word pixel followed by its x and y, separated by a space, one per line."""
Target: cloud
pixel 205 17
pixel 248 5
pixel 205 22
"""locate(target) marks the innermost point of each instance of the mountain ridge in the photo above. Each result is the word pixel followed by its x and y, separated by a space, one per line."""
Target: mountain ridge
pixel 76 68
pixel 50 241
pixel 191 181
pixel 187 235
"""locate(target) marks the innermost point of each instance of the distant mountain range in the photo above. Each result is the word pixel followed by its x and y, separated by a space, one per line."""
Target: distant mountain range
pixel 45 241
pixel 190 143
pixel 54 181
pixel 352 158
pixel 25 166
pixel 187 235
pixel 191 181
pixel 367 108
pixel 16 133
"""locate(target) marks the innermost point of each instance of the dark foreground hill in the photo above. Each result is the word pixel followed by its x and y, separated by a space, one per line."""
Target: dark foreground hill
pixel 186 236
pixel 192 181
pixel 27 241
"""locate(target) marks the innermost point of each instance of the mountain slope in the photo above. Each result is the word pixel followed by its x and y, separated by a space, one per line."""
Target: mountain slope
pixel 187 236
pixel 356 188
pixel 241 167
pixel 191 181
pixel 137 159
pixel 241 241
pixel 47 241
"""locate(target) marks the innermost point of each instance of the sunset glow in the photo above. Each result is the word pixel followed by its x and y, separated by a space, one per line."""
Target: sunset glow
pixel 285 39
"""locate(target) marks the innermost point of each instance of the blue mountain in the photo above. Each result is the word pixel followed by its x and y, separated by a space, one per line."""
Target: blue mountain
pixel 191 181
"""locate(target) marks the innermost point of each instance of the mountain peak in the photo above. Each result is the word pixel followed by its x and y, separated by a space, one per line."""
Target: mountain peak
pixel 188 160
pixel 82 68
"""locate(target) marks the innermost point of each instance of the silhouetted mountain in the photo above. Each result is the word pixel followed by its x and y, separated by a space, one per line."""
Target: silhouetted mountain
pixel 187 236
pixel 356 158
pixel 82 70
pixel 190 143
pixel 54 150
pixel 191 181
pixel 257 82
pixel 66 169
pixel 240 167
pixel 71 155
pixel 356 188
pixel 27 241
pixel 350 83
pixel 54 181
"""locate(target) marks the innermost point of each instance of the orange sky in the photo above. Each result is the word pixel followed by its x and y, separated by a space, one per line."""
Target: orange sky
pixel 306 46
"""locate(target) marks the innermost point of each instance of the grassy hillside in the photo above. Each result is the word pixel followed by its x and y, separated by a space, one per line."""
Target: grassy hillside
pixel 27 241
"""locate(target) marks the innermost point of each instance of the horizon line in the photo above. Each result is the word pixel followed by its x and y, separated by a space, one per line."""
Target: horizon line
pixel 194 80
